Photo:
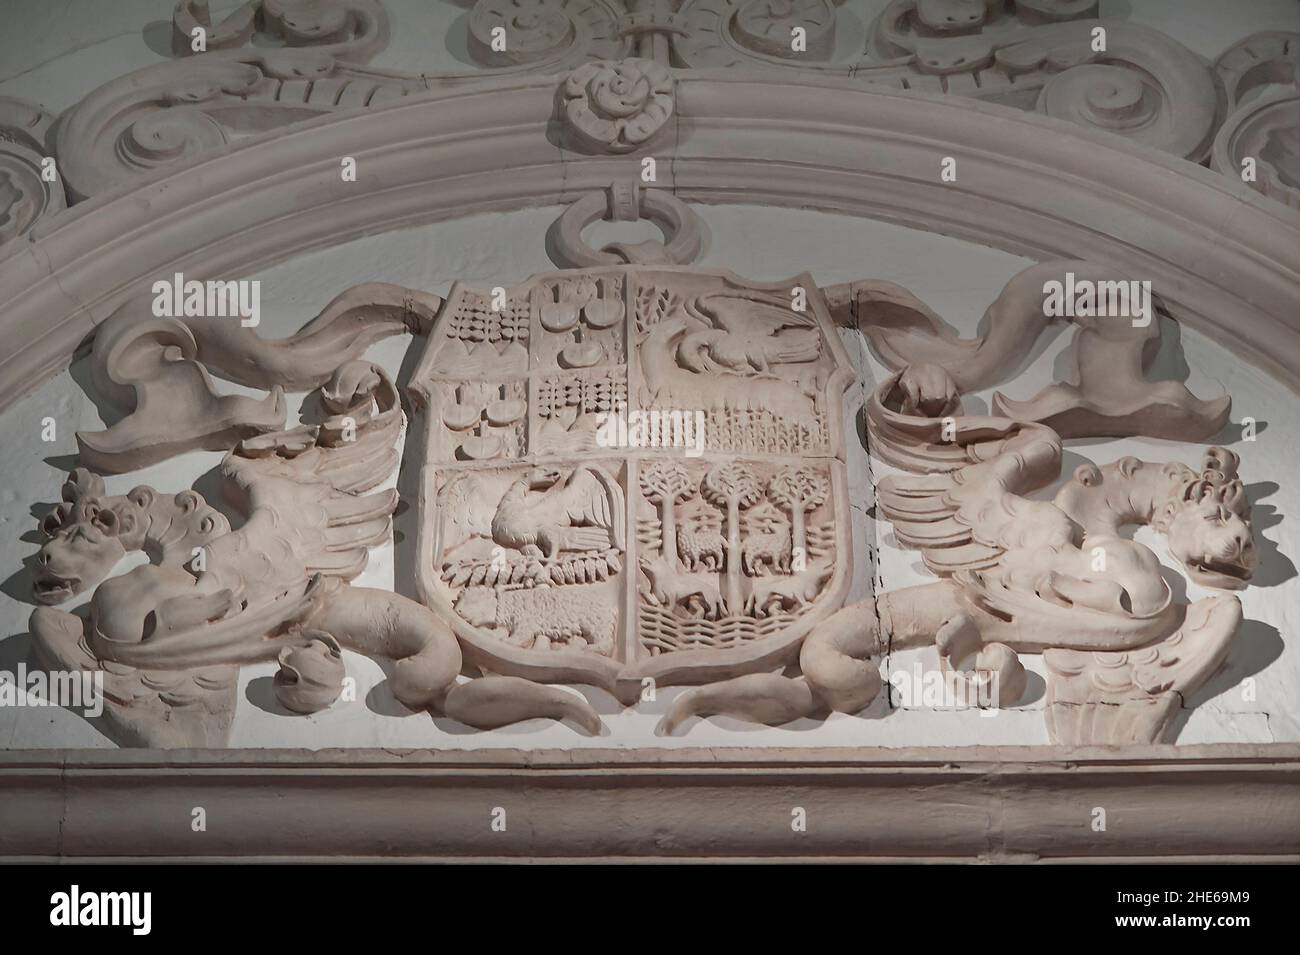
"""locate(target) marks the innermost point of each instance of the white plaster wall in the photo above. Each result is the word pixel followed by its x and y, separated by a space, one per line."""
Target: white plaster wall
pixel 57 52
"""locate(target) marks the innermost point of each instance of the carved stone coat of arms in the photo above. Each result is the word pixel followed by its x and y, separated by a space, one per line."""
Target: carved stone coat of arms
pixel 633 474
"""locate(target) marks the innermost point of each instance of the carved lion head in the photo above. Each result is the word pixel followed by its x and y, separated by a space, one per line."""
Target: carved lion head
pixel 88 534
pixel 1207 523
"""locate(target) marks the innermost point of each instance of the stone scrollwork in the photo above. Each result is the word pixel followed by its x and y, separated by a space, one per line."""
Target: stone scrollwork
pixel 546 34
pixel 1034 55
pixel 1259 142
pixel 171 112
pixel 908 27
pixel 158 371
pixel 1041 56
pixel 1257 62
pixel 1108 394
pixel 1135 81
pixel 1145 87
pixel 30 188
pixel 351 30
pixel 1265 133
pixel 765 26
pixel 724 33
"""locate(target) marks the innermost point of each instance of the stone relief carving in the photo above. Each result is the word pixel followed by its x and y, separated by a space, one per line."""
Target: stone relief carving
pixel 1030 55
pixel 349 29
pixel 616 61
pixel 1108 394
pixel 551 35
pixel 634 472
pixel 643 523
pixel 1262 77
pixel 618 106
pixel 626 201
pixel 1020 575
pixel 579 522
pixel 276 588
pixel 27 192
pixel 172 112
pixel 158 370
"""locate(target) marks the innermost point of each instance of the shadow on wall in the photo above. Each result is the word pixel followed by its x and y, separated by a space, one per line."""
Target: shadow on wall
pixel 1274 566
pixel 1256 646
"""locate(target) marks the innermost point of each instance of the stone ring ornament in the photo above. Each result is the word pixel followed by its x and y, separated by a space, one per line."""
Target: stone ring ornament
pixel 627 202
pixel 617 106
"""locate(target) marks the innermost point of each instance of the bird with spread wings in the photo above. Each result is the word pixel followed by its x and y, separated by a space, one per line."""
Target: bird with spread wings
pixel 747 335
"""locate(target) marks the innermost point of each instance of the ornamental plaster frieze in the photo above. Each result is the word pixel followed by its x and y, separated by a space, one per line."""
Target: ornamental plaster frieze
pixel 1056 59
pixel 617 68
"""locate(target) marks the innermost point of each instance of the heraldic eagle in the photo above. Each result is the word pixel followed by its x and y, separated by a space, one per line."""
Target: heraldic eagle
pixel 747 335
pixel 542 512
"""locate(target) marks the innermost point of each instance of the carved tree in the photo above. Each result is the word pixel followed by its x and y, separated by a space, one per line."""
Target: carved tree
pixel 799 490
pixel 732 486
pixel 666 483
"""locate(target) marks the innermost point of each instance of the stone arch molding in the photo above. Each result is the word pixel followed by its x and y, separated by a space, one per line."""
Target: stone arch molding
pixel 694 84
pixel 552 549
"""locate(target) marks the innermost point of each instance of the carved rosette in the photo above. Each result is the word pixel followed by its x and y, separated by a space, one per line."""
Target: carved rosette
pixel 617 106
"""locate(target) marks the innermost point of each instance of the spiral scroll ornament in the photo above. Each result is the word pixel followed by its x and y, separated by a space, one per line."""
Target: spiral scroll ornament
pixel 1127 79
pixel 544 33
pixel 723 33
pixel 29 184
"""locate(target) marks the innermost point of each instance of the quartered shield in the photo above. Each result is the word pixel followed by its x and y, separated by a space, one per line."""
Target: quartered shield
pixel 633 472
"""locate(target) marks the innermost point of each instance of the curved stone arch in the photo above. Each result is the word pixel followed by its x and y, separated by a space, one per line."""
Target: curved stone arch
pixel 1223 259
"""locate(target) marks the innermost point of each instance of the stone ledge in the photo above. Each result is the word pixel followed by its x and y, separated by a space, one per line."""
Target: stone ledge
pixel 1163 803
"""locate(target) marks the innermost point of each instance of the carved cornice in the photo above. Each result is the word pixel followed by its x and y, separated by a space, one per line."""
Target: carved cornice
pixel 1222 258
pixel 977 804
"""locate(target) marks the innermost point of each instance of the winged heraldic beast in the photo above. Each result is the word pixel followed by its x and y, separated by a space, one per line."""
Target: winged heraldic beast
pixel 714 549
